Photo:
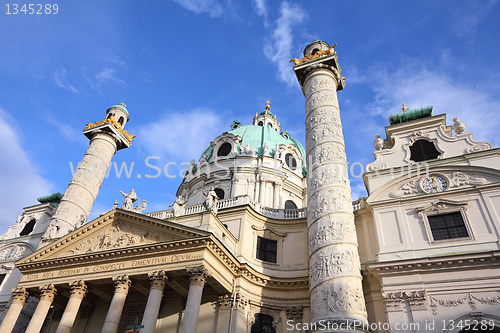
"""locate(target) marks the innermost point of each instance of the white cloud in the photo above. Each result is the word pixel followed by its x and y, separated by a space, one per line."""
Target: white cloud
pixel 211 7
pixel 60 79
pixel 104 75
pixel 417 87
pixel 469 16
pixel 21 181
pixel 278 46
pixel 180 136
pixel 260 8
pixel 69 132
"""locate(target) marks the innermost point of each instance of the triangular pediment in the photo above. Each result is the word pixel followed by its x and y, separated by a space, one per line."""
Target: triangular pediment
pixel 115 230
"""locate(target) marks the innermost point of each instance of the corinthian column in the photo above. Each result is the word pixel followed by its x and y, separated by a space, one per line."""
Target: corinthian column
pixel 158 280
pixel 19 296
pixel 336 293
pixel 78 292
pixel 197 281
pixel 122 285
pixel 47 294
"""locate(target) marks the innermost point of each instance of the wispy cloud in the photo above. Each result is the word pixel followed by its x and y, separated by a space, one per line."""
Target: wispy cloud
pixel 105 75
pixel 211 7
pixel 418 86
pixel 180 136
pixel 260 9
pixel 278 45
pixel 468 17
pixel 69 132
pixel 60 79
pixel 21 181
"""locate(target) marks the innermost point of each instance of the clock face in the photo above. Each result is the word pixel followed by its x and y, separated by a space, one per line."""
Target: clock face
pixel 434 184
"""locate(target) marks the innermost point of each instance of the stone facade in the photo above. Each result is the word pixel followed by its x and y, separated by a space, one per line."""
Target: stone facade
pixel 253 261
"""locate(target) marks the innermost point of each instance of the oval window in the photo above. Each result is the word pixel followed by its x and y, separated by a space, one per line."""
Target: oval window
pixel 224 149
pixel 220 193
pixel 290 161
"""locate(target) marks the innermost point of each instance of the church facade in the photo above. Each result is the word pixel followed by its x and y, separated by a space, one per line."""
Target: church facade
pixel 264 236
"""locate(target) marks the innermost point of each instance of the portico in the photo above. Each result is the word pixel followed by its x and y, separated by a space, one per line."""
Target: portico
pixel 106 286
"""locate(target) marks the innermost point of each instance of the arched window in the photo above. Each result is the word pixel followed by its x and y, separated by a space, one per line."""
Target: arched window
pixel 121 120
pixel 423 150
pixel 224 149
pixel 270 125
pixel 109 115
pixel 219 192
pixel 263 324
pixel 28 228
pixel 289 204
pixel 290 161
pixel 314 51
pixel 260 123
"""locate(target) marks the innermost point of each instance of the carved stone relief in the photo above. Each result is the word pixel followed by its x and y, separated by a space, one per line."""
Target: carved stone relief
pixel 294 313
pixel 408 188
pixel 345 299
pixel 461 179
pixel 328 229
pixel 328 201
pixel 326 263
pixel 470 299
pixel 14 252
pixel 120 235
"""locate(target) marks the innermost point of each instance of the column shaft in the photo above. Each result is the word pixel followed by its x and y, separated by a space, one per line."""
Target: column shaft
pixel 199 276
pixel 150 316
pixel 83 188
pixel 78 291
pixel 47 294
pixel 112 321
pixel 336 293
pixel 19 296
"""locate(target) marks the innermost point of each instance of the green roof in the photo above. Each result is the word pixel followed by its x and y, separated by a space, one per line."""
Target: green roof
pixel 404 116
pixel 54 199
pixel 122 107
pixel 255 136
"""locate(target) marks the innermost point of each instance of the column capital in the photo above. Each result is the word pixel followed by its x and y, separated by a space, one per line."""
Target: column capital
pixel 48 292
pixel 199 275
pixel 122 283
pixel 158 279
pixel 19 295
pixel 78 289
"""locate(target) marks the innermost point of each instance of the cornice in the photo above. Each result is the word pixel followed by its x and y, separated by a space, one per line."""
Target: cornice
pixel 451 262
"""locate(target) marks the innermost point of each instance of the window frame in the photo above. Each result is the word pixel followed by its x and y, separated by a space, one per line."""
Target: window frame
pixel 266 242
pixel 443 207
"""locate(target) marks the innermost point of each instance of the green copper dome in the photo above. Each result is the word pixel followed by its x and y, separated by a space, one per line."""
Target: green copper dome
pixel 256 136
pixel 122 107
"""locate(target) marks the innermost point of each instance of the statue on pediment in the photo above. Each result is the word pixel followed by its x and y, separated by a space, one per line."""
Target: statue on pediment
pixel 179 206
pixel 211 200
pixel 130 198
pixel 378 143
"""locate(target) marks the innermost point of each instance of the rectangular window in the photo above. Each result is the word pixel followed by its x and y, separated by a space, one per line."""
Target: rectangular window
pixel 266 249
pixel 447 226
pixel 2 276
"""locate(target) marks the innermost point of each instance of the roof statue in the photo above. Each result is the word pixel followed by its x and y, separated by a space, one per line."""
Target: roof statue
pixel 458 126
pixel 405 108
pixel 378 143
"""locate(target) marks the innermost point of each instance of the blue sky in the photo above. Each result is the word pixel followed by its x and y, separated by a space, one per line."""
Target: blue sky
pixel 187 69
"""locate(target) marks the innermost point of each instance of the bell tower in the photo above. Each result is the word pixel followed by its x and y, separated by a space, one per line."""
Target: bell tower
pixel 106 137
pixel 336 293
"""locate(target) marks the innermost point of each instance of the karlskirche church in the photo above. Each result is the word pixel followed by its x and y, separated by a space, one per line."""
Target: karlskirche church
pixel 264 236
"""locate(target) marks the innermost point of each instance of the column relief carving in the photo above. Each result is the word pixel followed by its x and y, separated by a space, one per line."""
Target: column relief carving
pixel 19 295
pixel 48 292
pixel 122 284
pixel 78 289
pixel 199 275
pixel 158 279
